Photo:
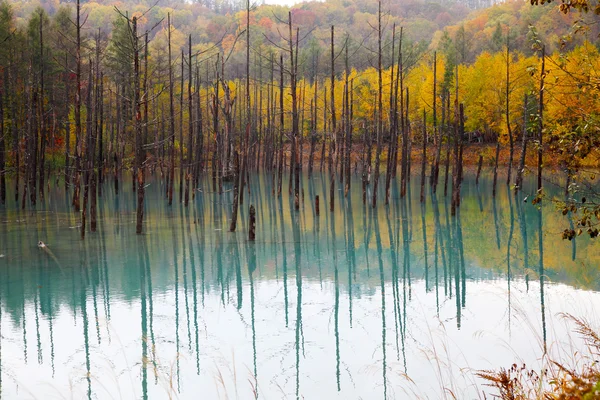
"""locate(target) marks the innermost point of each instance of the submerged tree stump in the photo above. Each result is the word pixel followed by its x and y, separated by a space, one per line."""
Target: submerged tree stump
pixel 252 228
pixel 479 169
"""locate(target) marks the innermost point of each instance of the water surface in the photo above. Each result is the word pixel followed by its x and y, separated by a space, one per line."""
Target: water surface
pixel 401 301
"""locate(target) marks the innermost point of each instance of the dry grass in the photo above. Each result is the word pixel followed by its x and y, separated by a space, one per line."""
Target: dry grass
pixel 557 380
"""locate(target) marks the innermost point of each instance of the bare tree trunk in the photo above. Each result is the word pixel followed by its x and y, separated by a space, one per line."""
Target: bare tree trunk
pixel 391 158
pixel 347 125
pixel 77 189
pixel 424 156
pixel 295 164
pixel 93 140
pixel 100 138
pixel 236 191
pixel 199 160
pixel 323 135
pixel 87 164
pixel 379 105
pixel 332 149
pixel 42 118
pixel 119 102
pixel 540 119
pixel 444 132
pixel 14 129
pixel 479 169
pixel 2 152
pixel 456 174
pixel 246 141
pixel 496 167
pixel 189 164
pixel 311 154
pixel 510 135
pixel 520 170
pixel 172 119
pixel 140 133
pixel 405 148
pixel 281 127
pixel 349 105
pixel 435 169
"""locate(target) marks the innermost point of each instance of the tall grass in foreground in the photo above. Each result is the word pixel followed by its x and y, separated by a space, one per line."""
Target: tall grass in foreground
pixel 579 380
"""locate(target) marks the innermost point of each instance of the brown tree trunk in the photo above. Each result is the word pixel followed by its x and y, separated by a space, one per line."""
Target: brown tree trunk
pixel 2 152
pixel 508 127
pixel 76 191
pixel 540 119
pixel 520 170
pixel 236 191
pixel 379 105
pixel 87 164
pixel 172 119
pixel 332 148
pixel 424 156
pixel 281 127
pixel 479 169
pixel 42 118
pixel 496 167
pixel 435 167
pixel 190 149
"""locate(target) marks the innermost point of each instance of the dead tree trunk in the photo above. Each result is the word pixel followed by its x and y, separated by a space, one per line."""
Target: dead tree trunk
pixel 100 137
pixel 424 156
pixel 508 127
pixel 332 149
pixel 479 169
pixel 540 119
pixel 141 127
pixel 189 164
pixel 42 117
pixel 444 129
pixel 496 166
pixel 392 123
pixel 246 140
pixel 172 118
pixel 295 164
pixel 181 149
pixel 87 164
pixel 2 152
pixel 93 140
pixel 435 168
pixel 405 148
pixel 281 127
pixel 236 192
pixel 348 125
pixel 520 170
pixel 77 189
pixel 379 105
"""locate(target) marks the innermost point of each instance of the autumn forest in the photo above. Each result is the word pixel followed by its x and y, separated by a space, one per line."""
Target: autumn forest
pixel 333 199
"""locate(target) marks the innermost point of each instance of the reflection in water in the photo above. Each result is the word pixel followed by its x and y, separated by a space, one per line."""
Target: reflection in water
pixel 542 275
pixel 298 262
pixel 104 313
pixel 84 316
pixel 382 288
pixel 251 251
pixel 523 229
pixel 508 248
pixel 142 257
pixel 177 339
pixel 336 310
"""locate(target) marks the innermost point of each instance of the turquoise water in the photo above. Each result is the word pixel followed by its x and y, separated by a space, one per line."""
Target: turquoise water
pixel 403 301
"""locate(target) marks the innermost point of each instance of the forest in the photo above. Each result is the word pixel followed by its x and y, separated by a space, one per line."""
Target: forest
pixel 422 172
pixel 87 103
